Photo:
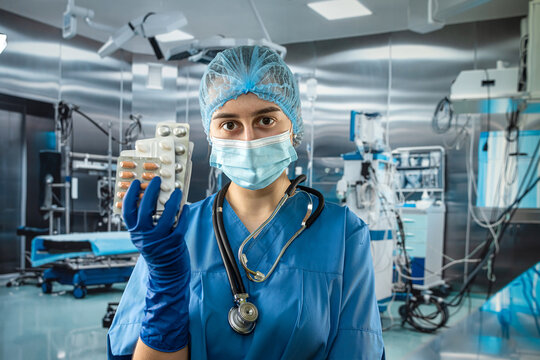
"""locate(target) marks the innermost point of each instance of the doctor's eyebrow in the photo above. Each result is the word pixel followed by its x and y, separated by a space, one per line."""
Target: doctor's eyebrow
pixel 266 110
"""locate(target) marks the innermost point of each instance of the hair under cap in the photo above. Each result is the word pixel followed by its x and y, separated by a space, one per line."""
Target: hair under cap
pixel 250 69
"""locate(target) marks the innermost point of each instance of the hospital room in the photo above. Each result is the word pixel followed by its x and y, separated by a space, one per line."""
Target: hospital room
pixel 250 179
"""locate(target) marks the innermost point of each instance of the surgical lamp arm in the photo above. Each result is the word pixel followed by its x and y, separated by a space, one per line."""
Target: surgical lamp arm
pixel 147 26
pixel 196 50
pixel 123 35
pixel 74 10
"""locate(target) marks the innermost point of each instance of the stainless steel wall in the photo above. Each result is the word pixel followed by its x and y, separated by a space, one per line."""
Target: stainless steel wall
pixel 178 100
pixel 410 72
pixel 39 65
pixel 407 71
pixel 102 90
pixel 30 65
pixel 154 104
pixel 188 110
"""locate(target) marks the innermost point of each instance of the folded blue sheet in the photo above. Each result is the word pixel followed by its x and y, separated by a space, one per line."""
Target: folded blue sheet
pixel 101 243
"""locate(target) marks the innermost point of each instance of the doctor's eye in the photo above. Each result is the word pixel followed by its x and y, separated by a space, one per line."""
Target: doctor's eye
pixel 266 121
pixel 229 125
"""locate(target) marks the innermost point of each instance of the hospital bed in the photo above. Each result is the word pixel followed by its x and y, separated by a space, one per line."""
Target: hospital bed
pixel 84 259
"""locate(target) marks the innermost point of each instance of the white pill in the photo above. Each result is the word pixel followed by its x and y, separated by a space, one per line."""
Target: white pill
pixel 180 150
pixel 165 145
pixel 179 131
pixel 165 159
pixel 141 147
pixel 165 173
pixel 178 168
pixel 178 184
pixel 164 131
pixel 163 199
pixel 165 187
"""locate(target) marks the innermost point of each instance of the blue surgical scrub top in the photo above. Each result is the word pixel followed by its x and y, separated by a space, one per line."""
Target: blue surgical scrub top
pixel 319 303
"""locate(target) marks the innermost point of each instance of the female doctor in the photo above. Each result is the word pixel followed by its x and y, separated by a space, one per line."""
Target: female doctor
pixel 314 293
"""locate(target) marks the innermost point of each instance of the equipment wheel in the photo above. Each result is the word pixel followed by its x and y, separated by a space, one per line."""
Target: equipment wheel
pixel 79 292
pixel 46 287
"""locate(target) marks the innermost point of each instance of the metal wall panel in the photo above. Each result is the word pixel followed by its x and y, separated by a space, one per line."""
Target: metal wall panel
pixel 154 104
pixel 38 64
pixel 353 74
pixel 177 101
pixel 29 66
pixel 188 110
pixel 93 84
pixel 11 138
pixel 97 86
pixel 423 68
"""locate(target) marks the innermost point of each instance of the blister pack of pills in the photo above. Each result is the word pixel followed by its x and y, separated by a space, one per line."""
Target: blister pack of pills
pixel 183 149
pixel 167 155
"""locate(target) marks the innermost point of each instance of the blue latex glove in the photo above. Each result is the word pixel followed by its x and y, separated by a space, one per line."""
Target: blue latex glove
pixel 166 321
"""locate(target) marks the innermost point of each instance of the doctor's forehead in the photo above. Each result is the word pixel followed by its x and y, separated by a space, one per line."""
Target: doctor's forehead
pixel 246 104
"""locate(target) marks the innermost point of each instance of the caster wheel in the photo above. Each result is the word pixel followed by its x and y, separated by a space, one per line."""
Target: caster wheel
pixel 46 287
pixel 79 292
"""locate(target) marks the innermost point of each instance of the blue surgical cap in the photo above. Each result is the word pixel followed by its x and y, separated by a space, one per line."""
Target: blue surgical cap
pixel 250 69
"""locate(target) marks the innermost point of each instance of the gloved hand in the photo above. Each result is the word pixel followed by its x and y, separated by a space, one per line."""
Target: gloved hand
pixel 166 321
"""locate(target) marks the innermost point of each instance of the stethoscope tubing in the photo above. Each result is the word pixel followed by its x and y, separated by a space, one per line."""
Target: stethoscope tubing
pixel 229 260
pixel 233 273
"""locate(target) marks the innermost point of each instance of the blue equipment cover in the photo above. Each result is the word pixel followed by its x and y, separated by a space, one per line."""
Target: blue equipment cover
pixel 96 244
pixel 492 168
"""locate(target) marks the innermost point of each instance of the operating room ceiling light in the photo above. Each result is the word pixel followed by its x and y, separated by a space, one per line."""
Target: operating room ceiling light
pixel 175 35
pixel 339 9
pixel 3 42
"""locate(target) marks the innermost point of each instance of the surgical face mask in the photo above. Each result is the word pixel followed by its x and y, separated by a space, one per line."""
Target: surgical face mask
pixel 253 164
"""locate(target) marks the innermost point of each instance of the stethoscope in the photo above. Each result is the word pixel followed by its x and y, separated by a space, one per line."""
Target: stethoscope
pixel 243 315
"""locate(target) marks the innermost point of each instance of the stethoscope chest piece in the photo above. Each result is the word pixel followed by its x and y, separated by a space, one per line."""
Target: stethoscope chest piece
pixel 243 317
